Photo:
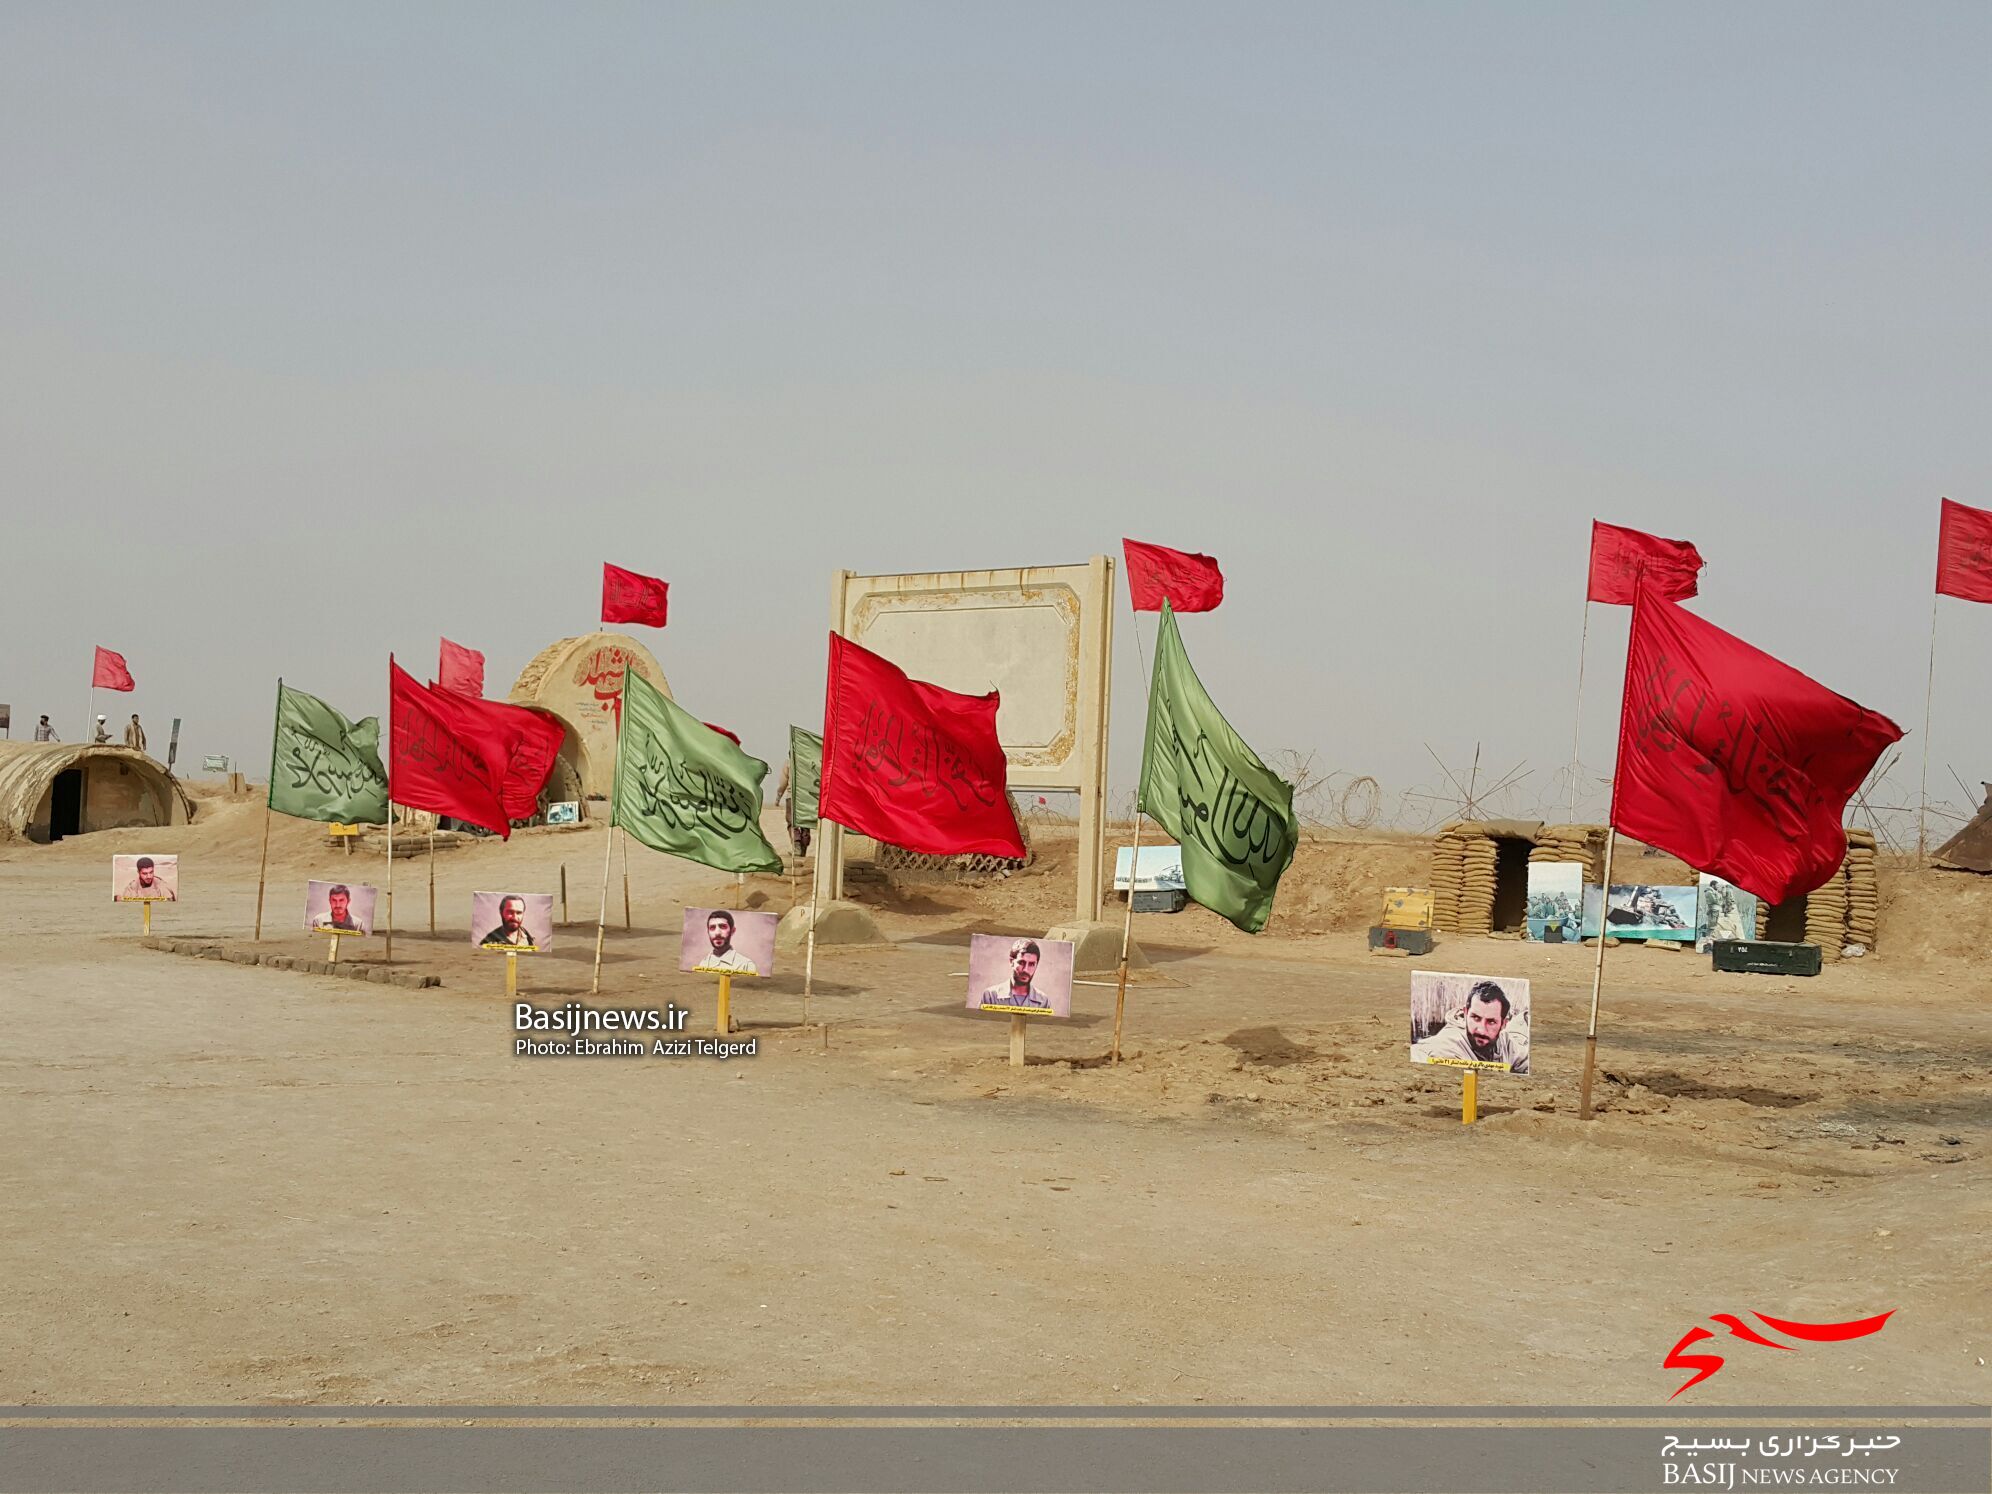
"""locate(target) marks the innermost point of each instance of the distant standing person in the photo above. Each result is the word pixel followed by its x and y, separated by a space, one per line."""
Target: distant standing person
pixel 44 732
pixel 135 734
pixel 798 834
pixel 103 733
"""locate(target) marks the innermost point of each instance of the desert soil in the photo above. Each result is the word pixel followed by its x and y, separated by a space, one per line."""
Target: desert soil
pixel 233 1184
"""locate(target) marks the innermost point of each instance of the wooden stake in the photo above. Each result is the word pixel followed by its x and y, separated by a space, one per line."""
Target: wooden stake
pixel 723 1019
pixel 625 850
pixel 1469 1097
pixel 563 894
pixel 511 973
pixel 1127 934
pixel 1019 1024
pixel 432 879
pixel 1597 977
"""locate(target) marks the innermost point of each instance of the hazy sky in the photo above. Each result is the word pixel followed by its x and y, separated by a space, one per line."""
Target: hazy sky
pixel 327 329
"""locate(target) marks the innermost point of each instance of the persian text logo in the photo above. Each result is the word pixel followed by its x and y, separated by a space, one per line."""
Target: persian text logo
pixel 1705 1365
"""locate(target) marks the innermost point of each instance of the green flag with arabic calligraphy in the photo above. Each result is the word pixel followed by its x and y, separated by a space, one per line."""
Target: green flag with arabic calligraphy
pixel 805 776
pixel 324 767
pixel 685 790
pixel 1231 813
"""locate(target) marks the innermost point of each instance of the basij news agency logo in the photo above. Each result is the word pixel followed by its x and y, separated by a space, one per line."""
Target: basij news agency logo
pixel 1706 1364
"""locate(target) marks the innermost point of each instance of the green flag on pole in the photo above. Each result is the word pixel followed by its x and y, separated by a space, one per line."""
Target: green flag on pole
pixel 805 776
pixel 1232 814
pixel 324 767
pixel 685 790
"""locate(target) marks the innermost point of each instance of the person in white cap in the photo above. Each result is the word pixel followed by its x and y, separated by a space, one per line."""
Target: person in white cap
pixel 103 733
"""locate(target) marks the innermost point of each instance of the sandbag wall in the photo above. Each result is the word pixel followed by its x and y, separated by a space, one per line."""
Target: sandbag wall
pixel 1584 844
pixel 1466 856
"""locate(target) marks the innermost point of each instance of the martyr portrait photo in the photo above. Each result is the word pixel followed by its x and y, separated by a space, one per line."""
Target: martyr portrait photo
pixel 1017 973
pixel 145 879
pixel 339 907
pixel 511 920
pixel 1470 1021
pixel 728 942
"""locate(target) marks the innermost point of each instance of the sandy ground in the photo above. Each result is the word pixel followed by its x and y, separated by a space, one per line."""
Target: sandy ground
pixel 229 1184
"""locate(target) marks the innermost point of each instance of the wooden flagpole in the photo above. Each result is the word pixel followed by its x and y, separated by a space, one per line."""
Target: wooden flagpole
pixel 432 880
pixel 1929 694
pixel 1127 930
pixel 390 879
pixel 609 846
pixel 1597 973
pixel 625 861
pixel 1577 727
pixel 263 869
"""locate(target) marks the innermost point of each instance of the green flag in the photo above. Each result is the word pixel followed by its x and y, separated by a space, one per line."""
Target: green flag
pixel 805 776
pixel 683 789
pixel 1232 814
pixel 324 767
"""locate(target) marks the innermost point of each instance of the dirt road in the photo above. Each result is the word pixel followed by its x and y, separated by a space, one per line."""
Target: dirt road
pixel 230 1184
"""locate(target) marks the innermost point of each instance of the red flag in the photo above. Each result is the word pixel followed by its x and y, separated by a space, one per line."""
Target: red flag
pixel 109 672
pixel 1620 556
pixel 1734 761
pixel 532 742
pixel 730 736
pixel 460 669
pixel 629 597
pixel 440 760
pixel 1191 583
pixel 912 764
pixel 1964 553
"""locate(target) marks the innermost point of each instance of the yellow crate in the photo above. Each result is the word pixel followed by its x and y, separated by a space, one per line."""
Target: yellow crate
pixel 1407 908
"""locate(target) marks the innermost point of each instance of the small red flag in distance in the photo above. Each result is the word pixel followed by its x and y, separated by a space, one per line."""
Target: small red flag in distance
pixel 1155 573
pixel 108 672
pixel 460 669
pixel 1619 557
pixel 1734 761
pixel 1964 553
pixel 913 764
pixel 630 597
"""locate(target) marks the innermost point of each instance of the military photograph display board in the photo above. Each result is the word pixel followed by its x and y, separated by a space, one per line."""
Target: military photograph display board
pixel 1011 973
pixel 1556 901
pixel 1640 912
pixel 145 879
pixel 512 920
pixel 1470 1021
pixel 1725 911
pixel 726 941
pixel 339 907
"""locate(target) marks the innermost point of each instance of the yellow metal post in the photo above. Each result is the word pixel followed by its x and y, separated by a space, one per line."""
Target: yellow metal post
pixel 724 1020
pixel 1019 1024
pixel 511 973
pixel 1469 1098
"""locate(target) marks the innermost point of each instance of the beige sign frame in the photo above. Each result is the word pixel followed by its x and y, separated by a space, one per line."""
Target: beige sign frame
pixel 1043 635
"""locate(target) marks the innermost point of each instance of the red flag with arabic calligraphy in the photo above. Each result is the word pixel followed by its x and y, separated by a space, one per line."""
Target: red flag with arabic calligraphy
pixel 631 597
pixel 459 668
pixel 1964 553
pixel 1156 573
pixel 440 760
pixel 1619 557
pixel 912 764
pixel 531 740
pixel 1733 760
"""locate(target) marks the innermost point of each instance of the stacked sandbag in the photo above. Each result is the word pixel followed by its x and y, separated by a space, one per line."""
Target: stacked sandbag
pixel 1447 853
pixel 1863 891
pixel 1476 887
pixel 1826 915
pixel 1584 844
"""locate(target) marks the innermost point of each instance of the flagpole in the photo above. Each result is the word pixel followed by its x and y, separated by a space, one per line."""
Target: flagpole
pixel 1127 929
pixel 1577 727
pixel 1597 973
pixel 1929 693
pixel 432 879
pixel 625 856
pixel 390 877
pixel 609 845
pixel 263 870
